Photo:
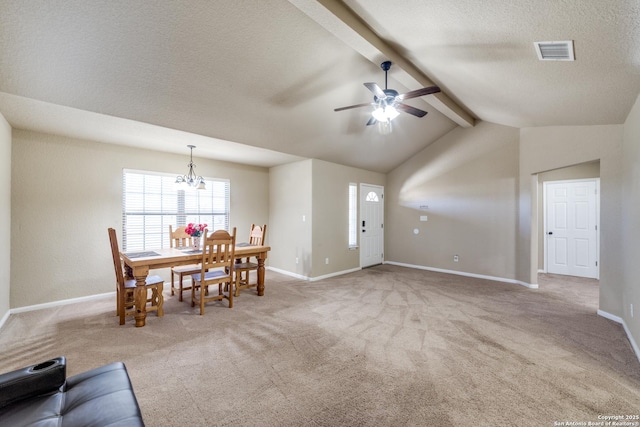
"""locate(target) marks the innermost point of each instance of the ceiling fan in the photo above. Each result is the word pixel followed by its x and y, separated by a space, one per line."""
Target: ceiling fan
pixel 387 103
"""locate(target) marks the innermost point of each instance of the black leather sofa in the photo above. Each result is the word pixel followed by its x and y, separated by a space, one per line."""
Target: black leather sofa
pixel 42 395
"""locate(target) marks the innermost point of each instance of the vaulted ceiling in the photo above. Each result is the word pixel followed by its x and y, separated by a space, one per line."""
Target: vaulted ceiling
pixel 256 81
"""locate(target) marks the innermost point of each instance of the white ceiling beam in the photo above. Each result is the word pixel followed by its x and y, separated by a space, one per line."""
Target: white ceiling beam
pixel 342 22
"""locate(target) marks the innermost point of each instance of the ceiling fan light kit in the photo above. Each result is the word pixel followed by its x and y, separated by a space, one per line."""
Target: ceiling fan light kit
pixel 385 113
pixel 388 104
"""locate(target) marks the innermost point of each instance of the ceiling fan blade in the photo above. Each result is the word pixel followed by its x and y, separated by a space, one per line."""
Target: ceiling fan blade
pixel 372 121
pixel 376 90
pixel 411 110
pixel 418 92
pixel 366 104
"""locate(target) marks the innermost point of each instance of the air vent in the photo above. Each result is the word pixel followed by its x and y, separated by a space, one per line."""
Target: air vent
pixel 555 51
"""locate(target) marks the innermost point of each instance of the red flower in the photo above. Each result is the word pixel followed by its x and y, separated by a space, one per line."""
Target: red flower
pixel 195 230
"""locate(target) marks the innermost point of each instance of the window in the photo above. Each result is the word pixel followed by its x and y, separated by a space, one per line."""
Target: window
pixel 150 203
pixel 353 216
pixel 372 197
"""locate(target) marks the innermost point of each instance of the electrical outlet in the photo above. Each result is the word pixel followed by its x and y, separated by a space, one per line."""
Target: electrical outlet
pixel 326 260
pixel 297 260
pixel 455 258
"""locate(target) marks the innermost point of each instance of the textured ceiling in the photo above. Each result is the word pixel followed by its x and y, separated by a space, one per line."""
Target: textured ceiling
pixel 239 77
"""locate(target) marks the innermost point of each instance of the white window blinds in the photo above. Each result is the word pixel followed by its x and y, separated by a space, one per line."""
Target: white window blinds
pixel 150 203
pixel 353 215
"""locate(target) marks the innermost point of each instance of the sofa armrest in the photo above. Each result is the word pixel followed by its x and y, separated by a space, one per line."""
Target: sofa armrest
pixel 34 380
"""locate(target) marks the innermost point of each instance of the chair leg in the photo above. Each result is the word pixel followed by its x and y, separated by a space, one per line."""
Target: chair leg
pixel 231 293
pixel 121 307
pixel 193 294
pixel 160 299
pixel 173 274
pixel 181 288
pixel 202 292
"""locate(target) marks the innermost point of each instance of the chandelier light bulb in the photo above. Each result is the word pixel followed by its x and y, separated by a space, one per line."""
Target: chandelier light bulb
pixel 385 113
pixel 190 180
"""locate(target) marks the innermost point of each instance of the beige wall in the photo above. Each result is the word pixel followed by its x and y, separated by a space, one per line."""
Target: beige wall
pixel 288 234
pixel 5 217
pixel 330 227
pixel 630 221
pixel 547 148
pixel 319 191
pixel 65 194
pixel 469 181
pixel 581 171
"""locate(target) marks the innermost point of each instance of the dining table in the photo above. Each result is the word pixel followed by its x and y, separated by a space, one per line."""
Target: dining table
pixel 137 265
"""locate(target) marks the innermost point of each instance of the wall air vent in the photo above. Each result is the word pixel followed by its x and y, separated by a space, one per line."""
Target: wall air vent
pixel 555 51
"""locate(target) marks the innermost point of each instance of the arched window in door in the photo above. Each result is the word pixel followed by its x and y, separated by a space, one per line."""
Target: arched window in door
pixel 372 197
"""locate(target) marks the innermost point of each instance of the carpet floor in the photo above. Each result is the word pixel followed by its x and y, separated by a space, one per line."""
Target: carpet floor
pixel 384 346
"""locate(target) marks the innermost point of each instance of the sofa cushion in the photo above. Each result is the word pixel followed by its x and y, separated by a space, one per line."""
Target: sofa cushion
pixel 99 397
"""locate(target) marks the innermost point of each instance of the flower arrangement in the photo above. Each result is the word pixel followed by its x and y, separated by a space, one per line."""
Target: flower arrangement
pixel 195 230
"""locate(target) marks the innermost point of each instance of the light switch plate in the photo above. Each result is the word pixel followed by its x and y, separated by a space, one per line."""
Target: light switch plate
pixel 423 217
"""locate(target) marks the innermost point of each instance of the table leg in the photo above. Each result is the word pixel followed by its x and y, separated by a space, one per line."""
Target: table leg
pixel 140 296
pixel 260 276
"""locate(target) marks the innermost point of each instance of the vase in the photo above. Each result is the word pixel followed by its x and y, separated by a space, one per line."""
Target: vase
pixel 196 242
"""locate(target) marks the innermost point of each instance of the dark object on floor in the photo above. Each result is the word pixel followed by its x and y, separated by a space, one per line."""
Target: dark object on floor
pixel 41 394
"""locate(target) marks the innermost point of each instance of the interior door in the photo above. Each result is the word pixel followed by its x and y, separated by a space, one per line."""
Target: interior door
pixel 371 225
pixel 571 227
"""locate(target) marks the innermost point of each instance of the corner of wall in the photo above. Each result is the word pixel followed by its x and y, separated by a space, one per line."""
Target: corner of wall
pixel 5 218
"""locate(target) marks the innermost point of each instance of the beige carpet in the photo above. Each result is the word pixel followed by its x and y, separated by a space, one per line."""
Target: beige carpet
pixel 385 346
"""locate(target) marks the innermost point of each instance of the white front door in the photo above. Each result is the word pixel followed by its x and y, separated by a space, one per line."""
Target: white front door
pixel 571 227
pixel 371 225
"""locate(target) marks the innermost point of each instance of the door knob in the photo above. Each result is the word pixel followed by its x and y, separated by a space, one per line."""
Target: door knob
pixel 550 233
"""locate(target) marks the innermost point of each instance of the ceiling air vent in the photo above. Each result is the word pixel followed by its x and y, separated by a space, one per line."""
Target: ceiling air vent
pixel 555 51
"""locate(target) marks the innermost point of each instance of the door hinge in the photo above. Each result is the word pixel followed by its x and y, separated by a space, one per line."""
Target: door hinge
pixel 382 255
pixel 596 228
pixel 381 225
pixel 596 263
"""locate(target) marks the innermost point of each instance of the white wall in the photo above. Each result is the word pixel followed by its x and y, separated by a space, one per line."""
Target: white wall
pixel 466 183
pixel 630 222
pixel 319 191
pixel 547 148
pixel 65 194
pixel 5 218
pixel 330 238
pixel 288 234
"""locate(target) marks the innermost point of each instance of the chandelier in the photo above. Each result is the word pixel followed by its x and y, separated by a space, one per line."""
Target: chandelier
pixel 190 180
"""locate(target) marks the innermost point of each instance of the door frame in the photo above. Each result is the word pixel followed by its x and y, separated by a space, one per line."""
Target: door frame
pixel 362 195
pixel 544 218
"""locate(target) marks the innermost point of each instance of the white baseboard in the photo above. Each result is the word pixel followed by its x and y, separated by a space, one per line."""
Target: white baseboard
pixel 337 273
pixel 61 302
pixel 288 273
pixel 461 273
pixel 621 321
pixel 4 318
pixel 312 279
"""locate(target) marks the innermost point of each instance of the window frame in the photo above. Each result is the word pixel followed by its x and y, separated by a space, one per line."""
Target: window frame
pixel 151 201
pixel 352 236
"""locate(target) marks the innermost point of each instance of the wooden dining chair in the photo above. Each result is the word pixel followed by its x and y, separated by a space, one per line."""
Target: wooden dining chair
pixel 244 267
pixel 177 239
pixel 216 269
pixel 125 288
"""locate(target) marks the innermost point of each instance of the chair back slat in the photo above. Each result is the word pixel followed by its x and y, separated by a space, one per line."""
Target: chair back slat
pixel 115 253
pixel 179 238
pixel 218 250
pixel 257 235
